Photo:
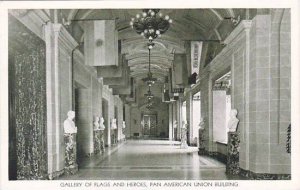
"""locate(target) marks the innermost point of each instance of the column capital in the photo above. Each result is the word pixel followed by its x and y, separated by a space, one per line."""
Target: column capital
pixel 34 19
pixel 243 26
pixel 65 37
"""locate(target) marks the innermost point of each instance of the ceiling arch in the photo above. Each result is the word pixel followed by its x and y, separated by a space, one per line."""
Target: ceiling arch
pixel 188 25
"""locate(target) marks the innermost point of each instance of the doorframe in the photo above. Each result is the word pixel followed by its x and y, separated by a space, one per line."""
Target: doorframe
pixel 142 119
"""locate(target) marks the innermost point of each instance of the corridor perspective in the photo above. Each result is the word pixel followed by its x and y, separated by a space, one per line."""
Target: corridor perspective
pixel 149 94
pixel 151 160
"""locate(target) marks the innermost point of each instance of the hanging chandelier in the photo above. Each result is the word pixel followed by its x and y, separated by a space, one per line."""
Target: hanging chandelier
pixel 151 24
pixel 149 80
pixel 149 94
pixel 149 105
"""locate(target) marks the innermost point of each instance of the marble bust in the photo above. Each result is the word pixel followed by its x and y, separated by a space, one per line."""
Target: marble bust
pixel 175 124
pixel 69 125
pixel 184 124
pixel 102 126
pixel 124 125
pixel 96 124
pixel 114 123
pixel 202 123
pixel 233 121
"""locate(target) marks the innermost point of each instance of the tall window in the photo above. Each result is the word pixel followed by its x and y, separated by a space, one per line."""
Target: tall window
pixel 196 116
pixel 184 111
pixel 221 108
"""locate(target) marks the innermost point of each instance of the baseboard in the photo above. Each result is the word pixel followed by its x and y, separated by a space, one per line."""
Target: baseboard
pixel 247 174
pixel 56 174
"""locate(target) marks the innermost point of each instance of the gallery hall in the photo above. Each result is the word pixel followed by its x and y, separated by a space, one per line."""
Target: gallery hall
pixel 149 94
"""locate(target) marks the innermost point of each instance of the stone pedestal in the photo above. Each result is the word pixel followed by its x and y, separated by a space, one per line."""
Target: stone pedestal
pixel 71 166
pixel 102 143
pixel 183 138
pixel 175 134
pixel 113 137
pixel 233 146
pixel 97 142
pixel 201 147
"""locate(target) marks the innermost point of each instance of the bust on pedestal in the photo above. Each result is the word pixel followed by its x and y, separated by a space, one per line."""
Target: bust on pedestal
pixel 113 128
pixel 233 121
pixel 102 128
pixel 70 131
pixel 201 136
pixel 175 125
pixel 183 135
pixel 123 137
pixel 232 166
pixel 96 124
pixel 97 142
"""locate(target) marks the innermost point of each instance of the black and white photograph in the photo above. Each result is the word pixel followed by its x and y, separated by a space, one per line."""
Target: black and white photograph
pixel 149 96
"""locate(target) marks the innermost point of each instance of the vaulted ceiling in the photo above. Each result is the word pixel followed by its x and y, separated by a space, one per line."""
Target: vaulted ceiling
pixel 188 25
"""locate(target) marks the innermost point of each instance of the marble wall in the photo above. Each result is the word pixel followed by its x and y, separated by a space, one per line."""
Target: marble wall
pixel 260 90
pixel 28 116
pixel 62 75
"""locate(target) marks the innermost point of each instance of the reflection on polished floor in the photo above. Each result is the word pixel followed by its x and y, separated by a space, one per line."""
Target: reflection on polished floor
pixel 151 160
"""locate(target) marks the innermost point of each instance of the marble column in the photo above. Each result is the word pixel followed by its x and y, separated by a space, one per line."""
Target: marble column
pixel 233 146
pixel 97 142
pixel 71 166
pixel 102 142
pixel 201 147
pixel 184 137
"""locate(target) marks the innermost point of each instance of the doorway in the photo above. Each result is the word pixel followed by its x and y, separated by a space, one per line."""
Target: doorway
pixel 150 125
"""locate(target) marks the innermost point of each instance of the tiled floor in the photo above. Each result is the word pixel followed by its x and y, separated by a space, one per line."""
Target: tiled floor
pixel 151 160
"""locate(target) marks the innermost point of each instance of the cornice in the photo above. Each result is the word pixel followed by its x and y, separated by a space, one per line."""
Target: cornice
pixel 65 37
pixel 33 19
pixel 244 25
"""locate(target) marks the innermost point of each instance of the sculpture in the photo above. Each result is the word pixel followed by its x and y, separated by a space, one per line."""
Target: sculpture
pixel 202 123
pixel 96 124
pixel 70 131
pixel 233 121
pixel 114 124
pixel 102 126
pixel 184 124
pixel 183 135
pixel 124 125
pixel 69 125
pixel 175 124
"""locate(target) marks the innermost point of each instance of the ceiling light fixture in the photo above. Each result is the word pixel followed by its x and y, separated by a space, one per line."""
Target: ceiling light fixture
pixel 149 94
pixel 151 24
pixel 149 105
pixel 149 80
